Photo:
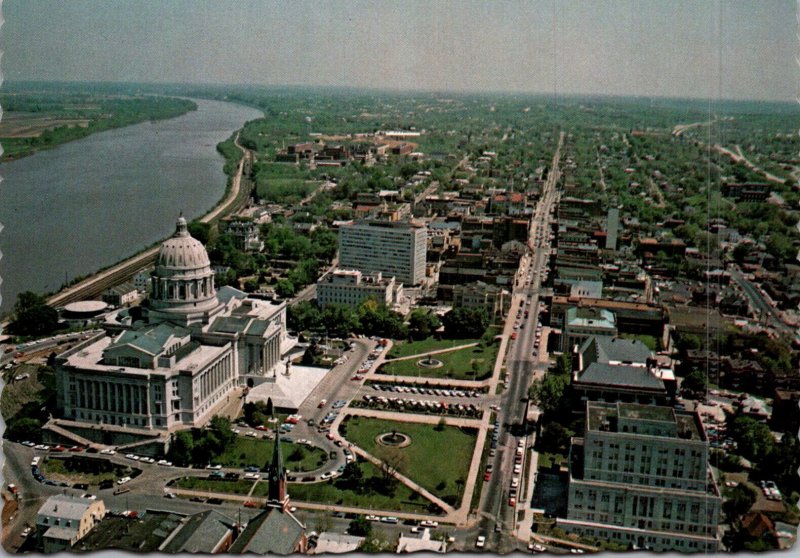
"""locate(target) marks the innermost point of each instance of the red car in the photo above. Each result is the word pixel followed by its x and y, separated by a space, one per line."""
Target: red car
pixel 487 475
pixel 76 448
pixel 512 502
pixel 261 427
pixel 57 448
pixel 251 504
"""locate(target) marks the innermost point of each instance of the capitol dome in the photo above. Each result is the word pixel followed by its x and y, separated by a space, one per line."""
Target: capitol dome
pixel 182 251
pixel 183 281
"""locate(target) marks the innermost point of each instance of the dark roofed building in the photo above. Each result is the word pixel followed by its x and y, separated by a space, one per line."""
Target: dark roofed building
pixel 273 531
pixel 620 370
pixel 208 532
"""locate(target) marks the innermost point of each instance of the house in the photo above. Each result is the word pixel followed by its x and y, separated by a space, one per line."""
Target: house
pixel 421 542
pixel 121 295
pixel 64 520
pixel 336 543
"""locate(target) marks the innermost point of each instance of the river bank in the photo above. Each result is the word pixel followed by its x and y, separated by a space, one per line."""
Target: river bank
pixel 28 128
pixel 95 201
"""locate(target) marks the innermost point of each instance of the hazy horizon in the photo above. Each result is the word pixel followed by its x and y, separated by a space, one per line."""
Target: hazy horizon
pixel 681 50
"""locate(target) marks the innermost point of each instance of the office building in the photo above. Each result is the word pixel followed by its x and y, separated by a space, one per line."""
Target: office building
pixel 394 248
pixel 351 287
pixel 640 477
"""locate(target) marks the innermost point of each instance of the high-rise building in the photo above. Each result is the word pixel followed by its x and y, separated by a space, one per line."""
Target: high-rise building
pixel 640 477
pixel 395 248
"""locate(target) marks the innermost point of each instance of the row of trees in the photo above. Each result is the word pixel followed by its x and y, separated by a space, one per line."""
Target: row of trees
pixel 374 318
pixel 201 446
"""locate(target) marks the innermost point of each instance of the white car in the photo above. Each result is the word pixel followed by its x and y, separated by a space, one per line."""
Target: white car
pixel 214 467
pixel 132 457
pixel 124 480
pixel 89 497
pixel 326 476
pixel 252 476
pixel 147 460
pixel 107 451
pixel 35 461
pixel 164 463
pixel 28 444
pixel 252 434
pixel 372 518
pixel 429 523
pixel 481 542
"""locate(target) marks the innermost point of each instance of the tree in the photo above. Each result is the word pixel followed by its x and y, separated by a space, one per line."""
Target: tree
pixel 360 527
pixel 352 476
pixel 695 382
pixel 753 438
pixel 32 315
pixel 739 501
pixel 688 341
pixel 222 429
pixel 339 320
pixel 284 288
pixel 201 231
pixel 422 324
pixel 181 449
pixel 466 322
pixel 22 429
pixel 549 393
pixel 392 460
pixel 304 315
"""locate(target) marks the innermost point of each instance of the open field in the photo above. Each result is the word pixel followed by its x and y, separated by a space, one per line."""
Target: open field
pixel 255 451
pixel 437 459
pixel 371 494
pixel 456 364
pixel 408 348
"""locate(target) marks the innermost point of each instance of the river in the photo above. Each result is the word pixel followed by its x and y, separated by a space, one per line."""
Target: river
pixel 87 204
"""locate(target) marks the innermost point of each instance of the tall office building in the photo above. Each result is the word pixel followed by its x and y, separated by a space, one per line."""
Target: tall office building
pixel 394 248
pixel 640 477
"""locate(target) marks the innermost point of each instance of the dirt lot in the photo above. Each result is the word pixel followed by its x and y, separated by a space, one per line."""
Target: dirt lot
pixel 31 125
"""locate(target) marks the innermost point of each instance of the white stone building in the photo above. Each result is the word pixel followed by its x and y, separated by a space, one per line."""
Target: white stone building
pixel 185 362
pixel 640 477
pixel 395 248
pixel 351 287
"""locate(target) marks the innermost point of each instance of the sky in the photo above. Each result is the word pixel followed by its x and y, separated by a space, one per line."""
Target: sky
pixel 706 49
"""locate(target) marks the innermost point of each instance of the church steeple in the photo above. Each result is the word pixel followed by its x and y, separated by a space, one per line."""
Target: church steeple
pixel 277 496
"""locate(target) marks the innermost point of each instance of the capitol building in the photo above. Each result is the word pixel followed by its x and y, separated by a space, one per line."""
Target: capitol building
pixel 187 356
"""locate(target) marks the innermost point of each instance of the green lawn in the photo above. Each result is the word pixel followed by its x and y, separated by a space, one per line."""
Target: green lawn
pixel 408 348
pixel 211 485
pixel 372 494
pixel 434 459
pixel 81 469
pixel 456 364
pixel 256 451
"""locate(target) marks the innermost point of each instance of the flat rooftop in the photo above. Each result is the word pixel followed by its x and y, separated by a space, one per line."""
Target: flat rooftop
pixel 643 420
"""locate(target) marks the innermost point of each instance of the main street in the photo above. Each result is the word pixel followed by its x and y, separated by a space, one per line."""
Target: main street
pixel 522 369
